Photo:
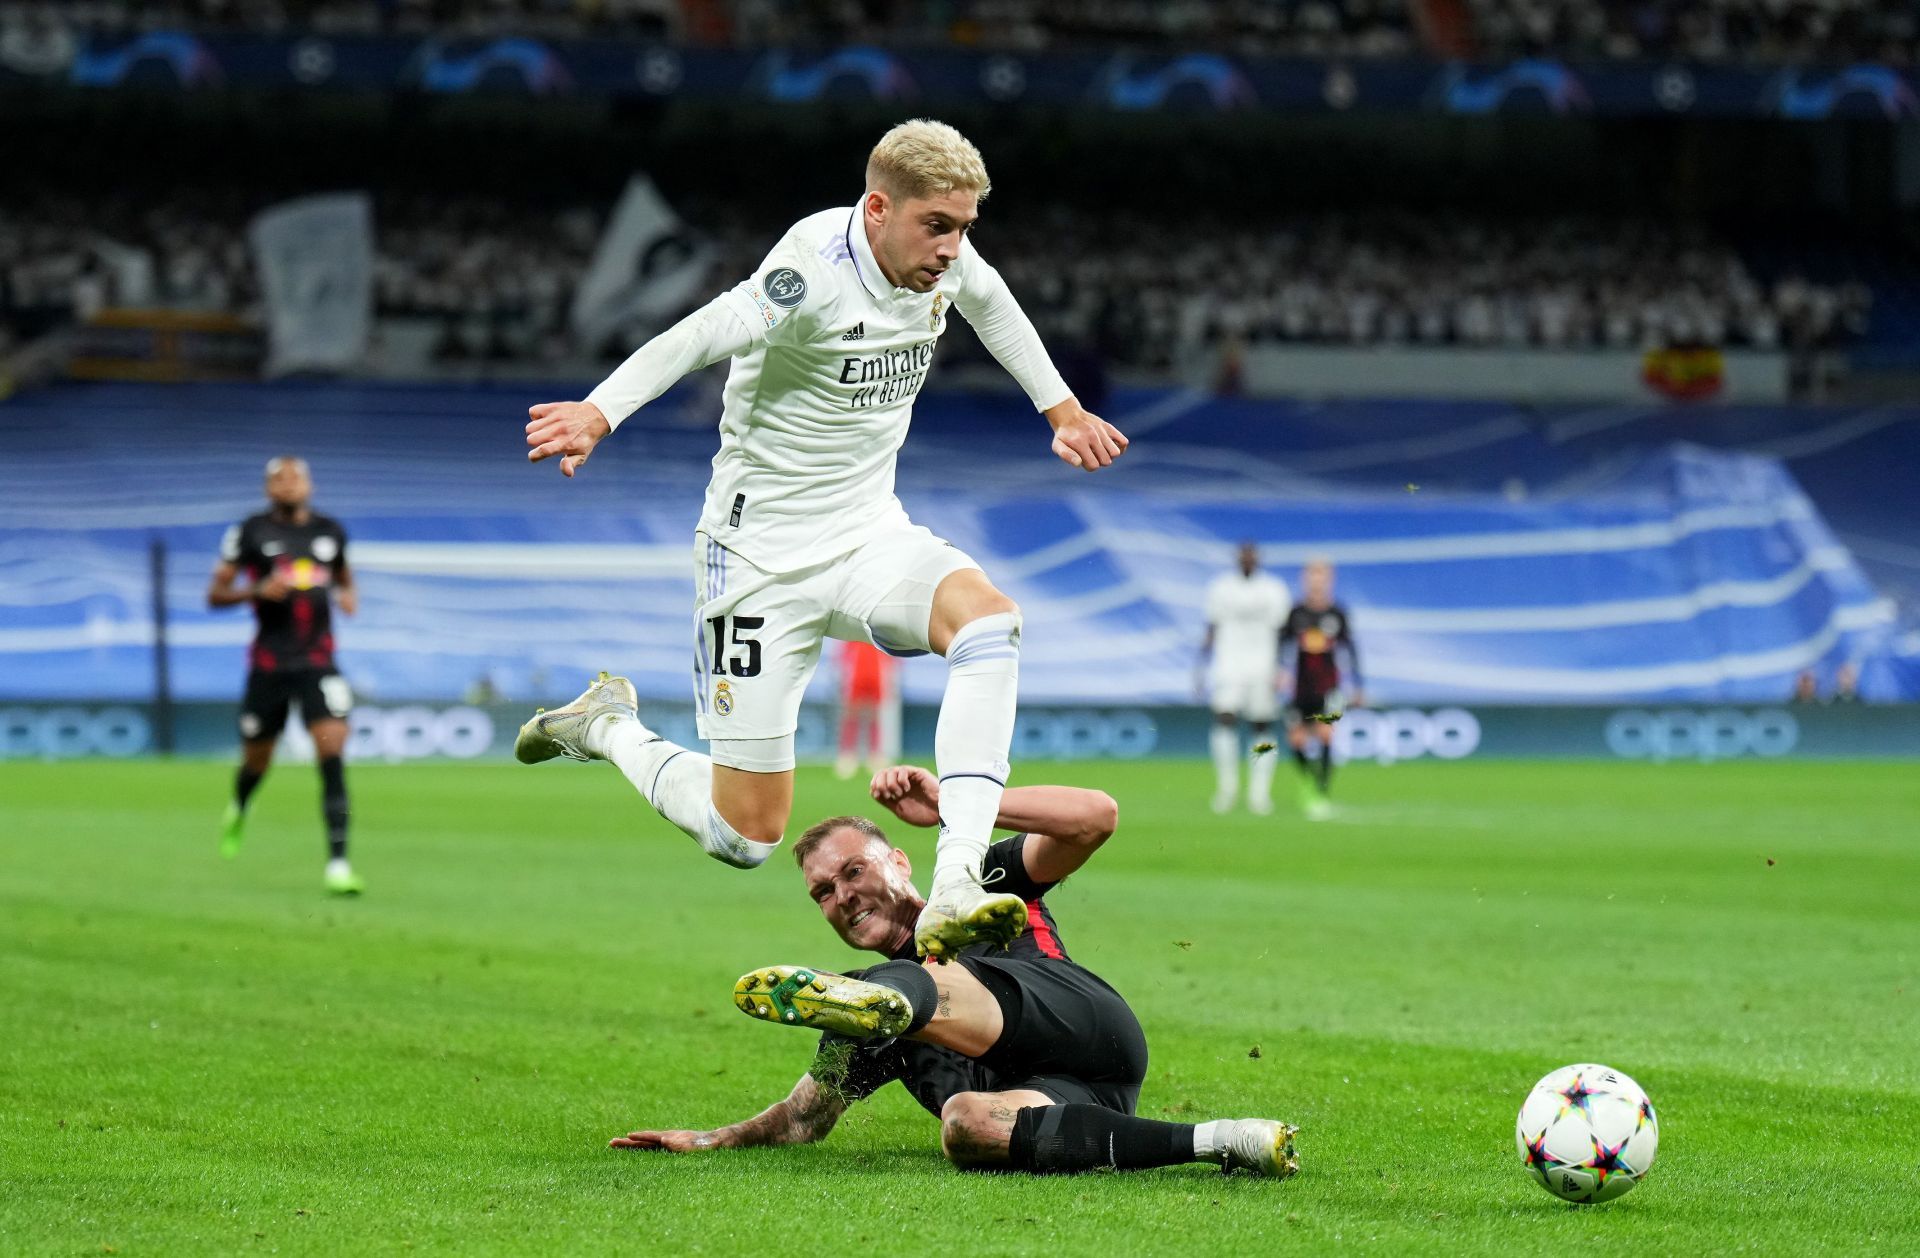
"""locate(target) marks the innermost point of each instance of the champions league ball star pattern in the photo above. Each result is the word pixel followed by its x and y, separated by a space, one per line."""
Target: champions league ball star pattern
pixel 1587 1133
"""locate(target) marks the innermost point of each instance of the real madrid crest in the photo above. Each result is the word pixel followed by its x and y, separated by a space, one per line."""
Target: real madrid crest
pixel 939 304
pixel 723 699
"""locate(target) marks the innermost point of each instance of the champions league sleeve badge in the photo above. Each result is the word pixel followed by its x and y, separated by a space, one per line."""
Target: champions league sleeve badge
pixel 784 287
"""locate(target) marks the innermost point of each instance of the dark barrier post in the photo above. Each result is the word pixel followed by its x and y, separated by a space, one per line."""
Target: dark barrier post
pixel 162 677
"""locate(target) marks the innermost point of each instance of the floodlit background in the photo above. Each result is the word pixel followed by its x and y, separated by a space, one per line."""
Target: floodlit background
pixel 1579 334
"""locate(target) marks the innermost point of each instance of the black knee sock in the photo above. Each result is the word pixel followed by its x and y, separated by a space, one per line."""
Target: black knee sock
pixel 1300 759
pixel 911 980
pixel 1091 1137
pixel 1325 775
pixel 333 805
pixel 244 784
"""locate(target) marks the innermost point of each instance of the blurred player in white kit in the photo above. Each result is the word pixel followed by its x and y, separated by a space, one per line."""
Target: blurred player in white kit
pixel 802 538
pixel 1246 610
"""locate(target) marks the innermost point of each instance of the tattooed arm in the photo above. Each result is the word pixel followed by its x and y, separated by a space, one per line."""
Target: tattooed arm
pixel 808 1114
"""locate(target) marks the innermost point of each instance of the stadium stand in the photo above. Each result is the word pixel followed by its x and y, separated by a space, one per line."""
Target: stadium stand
pixel 1693 30
pixel 1310 27
pixel 1699 30
pixel 1147 294
pixel 1565 556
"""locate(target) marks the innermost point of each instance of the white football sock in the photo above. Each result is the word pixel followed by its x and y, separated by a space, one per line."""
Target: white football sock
pixel 678 783
pixel 1210 1140
pixel 1224 740
pixel 1260 778
pixel 972 739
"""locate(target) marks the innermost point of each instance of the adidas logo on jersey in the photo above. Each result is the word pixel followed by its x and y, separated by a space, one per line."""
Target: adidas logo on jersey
pixel 857 333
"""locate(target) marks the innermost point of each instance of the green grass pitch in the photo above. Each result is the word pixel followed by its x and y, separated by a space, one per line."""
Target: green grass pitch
pixel 207 1057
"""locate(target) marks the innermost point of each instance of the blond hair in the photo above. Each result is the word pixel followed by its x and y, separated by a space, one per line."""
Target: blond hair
pixel 924 158
pixel 821 831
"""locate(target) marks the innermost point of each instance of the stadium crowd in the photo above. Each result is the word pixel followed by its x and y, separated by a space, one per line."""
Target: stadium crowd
pixel 501 280
pixel 1350 27
pixel 1702 30
pixel 1558 283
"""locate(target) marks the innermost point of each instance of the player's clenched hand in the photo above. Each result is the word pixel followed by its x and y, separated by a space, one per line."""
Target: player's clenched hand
pixel 568 429
pixel 348 600
pixel 666 1141
pixel 273 589
pixel 1082 438
pixel 910 793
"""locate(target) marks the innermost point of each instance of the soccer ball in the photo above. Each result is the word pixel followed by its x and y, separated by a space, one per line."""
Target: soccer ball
pixel 1587 1133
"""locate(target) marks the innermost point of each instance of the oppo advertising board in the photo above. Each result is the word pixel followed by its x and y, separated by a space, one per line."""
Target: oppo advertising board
pixel 420 731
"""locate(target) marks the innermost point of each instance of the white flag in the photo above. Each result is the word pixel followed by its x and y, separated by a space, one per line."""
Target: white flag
pixel 646 269
pixel 315 257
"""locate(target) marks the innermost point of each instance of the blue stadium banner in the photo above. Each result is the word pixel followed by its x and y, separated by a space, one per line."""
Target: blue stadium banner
pixel 1122 82
pixel 398 732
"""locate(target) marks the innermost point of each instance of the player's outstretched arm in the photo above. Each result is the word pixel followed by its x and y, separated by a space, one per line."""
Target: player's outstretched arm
pixel 1082 438
pixel 1079 436
pixel 807 1114
pixel 1065 825
pixel 568 429
pixel 571 430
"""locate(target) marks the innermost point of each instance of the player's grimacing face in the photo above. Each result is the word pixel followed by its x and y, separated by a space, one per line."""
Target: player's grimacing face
pixel 863 890
pixel 917 238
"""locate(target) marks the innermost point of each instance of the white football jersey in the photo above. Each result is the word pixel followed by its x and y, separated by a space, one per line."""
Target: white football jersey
pixel 1246 614
pixel 817 409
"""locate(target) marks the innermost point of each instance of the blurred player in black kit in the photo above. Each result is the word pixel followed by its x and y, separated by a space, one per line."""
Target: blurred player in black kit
pixel 295 565
pixel 1316 634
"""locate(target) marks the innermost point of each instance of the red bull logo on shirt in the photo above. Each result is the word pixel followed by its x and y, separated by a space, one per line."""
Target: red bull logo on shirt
pixel 303 574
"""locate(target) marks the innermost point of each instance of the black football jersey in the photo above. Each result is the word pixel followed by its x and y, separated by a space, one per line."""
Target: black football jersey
pixel 294 633
pixel 931 1073
pixel 1315 635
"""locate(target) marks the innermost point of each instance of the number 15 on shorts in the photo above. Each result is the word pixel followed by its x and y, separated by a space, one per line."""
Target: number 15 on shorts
pixel 747 665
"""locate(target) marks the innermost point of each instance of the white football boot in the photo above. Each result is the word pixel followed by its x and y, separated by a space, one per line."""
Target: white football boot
pixel 1263 1146
pixel 961 913
pixel 563 731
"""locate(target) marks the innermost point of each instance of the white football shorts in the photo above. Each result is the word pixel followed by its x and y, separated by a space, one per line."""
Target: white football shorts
pixel 1249 695
pixel 757 634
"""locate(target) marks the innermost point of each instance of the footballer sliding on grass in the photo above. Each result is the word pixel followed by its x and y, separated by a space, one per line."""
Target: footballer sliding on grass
pixel 1030 1061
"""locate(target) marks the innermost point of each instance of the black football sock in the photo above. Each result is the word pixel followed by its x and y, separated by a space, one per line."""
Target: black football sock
pixel 1325 775
pixel 1067 1138
pixel 333 805
pixel 1300 759
pixel 244 784
pixel 911 980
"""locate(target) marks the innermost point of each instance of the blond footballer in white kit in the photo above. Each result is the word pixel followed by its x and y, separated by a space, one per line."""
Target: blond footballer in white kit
pixel 1246 610
pixel 802 538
